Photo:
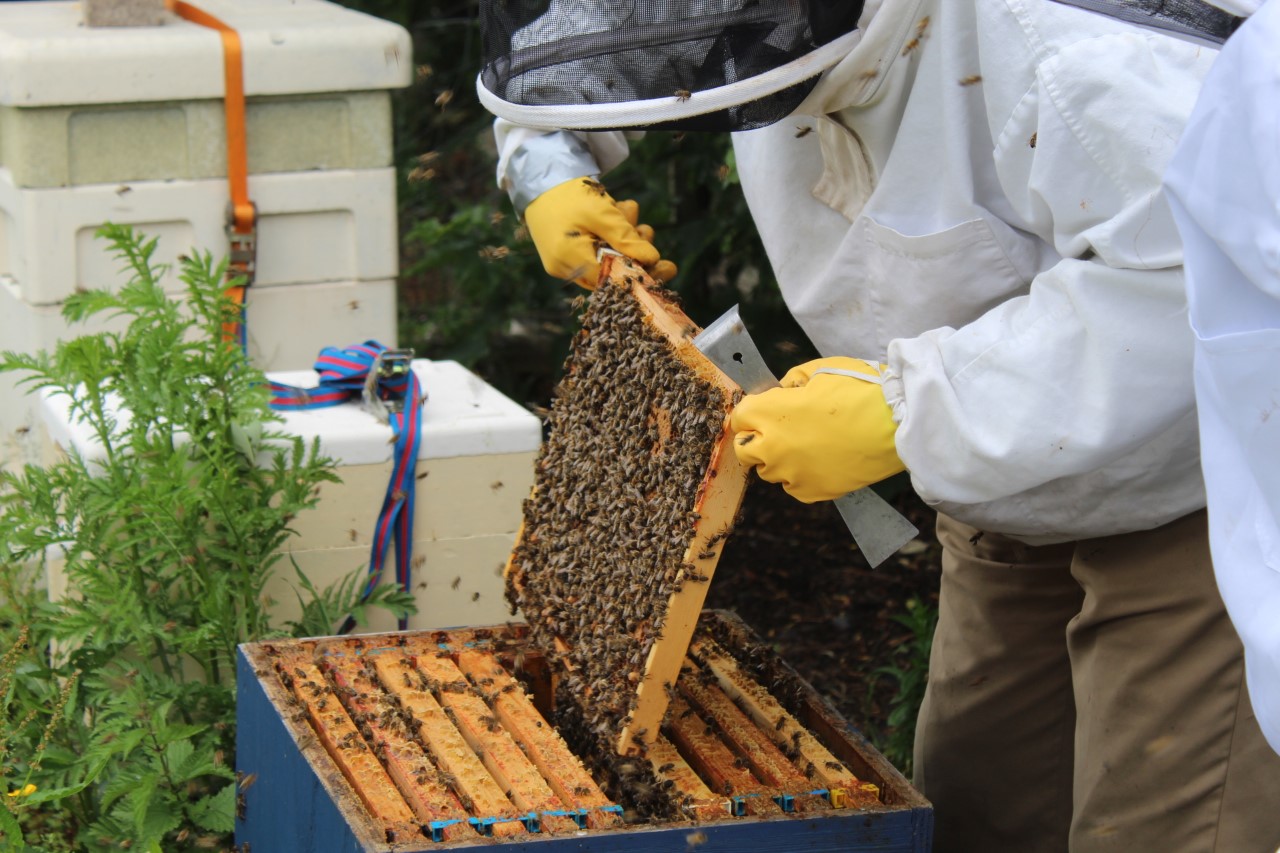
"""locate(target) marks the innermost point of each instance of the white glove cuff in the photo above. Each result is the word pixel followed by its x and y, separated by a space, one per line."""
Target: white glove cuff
pixel 545 161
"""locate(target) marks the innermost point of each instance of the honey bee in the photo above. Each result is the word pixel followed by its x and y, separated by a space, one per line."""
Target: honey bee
pixel 1032 141
pixel 443 99
pixel 803 130
pixel 970 80
pixel 682 94
pixel 921 26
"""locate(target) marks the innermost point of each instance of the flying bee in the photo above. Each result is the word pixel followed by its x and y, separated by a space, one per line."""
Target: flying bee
pixel 445 96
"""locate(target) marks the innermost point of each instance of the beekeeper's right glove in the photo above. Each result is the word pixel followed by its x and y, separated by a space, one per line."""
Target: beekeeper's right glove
pixel 826 432
pixel 572 221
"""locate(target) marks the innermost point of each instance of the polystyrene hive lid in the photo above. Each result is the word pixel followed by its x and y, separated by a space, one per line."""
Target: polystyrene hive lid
pixel 49 58
pixel 463 416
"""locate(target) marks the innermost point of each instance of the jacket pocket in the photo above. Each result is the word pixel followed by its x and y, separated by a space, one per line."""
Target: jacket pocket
pixel 885 284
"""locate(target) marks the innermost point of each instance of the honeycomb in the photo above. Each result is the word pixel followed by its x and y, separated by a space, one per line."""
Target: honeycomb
pixel 635 491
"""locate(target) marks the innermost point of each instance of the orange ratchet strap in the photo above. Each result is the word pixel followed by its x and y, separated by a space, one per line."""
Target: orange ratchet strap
pixel 242 215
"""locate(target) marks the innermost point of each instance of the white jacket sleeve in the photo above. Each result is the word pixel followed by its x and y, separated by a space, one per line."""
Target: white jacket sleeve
pixel 1059 403
pixel 532 160
pixel 1224 183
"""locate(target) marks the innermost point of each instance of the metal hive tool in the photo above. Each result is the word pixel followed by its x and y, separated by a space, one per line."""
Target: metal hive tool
pixel 635 492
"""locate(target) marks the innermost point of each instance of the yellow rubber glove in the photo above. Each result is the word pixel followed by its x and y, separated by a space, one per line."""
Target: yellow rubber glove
pixel 570 222
pixel 821 435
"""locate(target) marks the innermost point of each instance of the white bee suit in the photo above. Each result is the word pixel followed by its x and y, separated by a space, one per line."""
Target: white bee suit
pixel 980 206
pixel 1224 184
pixel 1002 242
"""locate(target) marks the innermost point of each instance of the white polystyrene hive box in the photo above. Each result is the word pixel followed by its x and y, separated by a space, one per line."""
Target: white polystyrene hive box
pixel 83 105
pixel 286 328
pixel 475 467
pixel 312 227
pixel 126 125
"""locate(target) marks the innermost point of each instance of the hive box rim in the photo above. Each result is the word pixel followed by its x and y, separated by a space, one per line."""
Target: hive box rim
pixel 907 811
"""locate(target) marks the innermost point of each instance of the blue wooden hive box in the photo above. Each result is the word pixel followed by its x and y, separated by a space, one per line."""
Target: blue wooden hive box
pixel 456 739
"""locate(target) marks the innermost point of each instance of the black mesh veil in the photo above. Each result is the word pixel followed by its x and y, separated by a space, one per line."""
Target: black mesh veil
pixel 579 53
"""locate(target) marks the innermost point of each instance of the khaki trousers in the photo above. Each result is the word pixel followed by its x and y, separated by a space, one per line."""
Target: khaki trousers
pixel 1090 697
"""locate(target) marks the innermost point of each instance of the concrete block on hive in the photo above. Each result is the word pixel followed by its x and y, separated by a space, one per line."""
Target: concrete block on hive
pixel 123 13
pixel 429 710
pixel 635 491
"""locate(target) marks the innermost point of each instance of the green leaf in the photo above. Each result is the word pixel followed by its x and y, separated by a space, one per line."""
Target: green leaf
pixel 160 819
pixel 10 832
pixel 216 812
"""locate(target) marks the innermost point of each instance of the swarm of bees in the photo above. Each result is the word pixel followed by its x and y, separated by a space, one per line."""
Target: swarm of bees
pixel 612 514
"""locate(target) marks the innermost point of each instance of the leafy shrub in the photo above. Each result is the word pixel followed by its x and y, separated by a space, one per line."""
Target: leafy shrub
pixel 166 542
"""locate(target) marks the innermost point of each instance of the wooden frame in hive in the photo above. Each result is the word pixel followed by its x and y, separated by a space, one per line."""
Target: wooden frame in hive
pixel 403 742
pixel 640 413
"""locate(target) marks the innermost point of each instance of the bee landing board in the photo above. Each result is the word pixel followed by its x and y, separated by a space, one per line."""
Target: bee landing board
pixel 401 743
pixel 635 491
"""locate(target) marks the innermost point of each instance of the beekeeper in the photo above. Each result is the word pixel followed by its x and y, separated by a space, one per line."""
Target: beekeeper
pixel 1224 186
pixel 977 226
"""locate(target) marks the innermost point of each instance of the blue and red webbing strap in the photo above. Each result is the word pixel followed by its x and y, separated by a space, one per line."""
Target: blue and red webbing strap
pixel 343 373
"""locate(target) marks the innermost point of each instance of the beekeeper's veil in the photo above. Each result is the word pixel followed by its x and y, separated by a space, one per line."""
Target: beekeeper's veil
pixel 693 65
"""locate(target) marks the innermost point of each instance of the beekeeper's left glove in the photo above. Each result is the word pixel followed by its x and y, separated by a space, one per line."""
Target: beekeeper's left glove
pixel 570 222
pixel 826 432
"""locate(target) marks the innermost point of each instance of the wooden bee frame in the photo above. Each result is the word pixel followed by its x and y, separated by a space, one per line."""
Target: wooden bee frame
pixel 703 511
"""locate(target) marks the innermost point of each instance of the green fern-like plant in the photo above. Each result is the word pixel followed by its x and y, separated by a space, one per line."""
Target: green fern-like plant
pixel 166 541
pixel 910 672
